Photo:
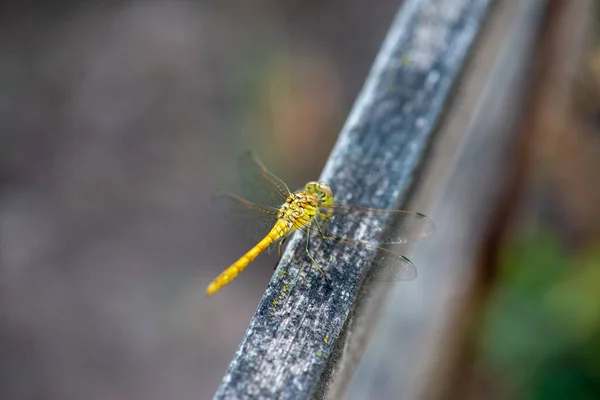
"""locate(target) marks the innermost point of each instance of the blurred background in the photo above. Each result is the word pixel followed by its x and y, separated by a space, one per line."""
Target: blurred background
pixel 119 119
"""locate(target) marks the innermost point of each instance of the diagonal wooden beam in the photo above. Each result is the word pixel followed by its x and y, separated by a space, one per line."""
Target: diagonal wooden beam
pixel 300 323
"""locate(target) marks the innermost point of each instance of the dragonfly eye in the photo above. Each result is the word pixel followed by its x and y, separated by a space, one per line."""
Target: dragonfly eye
pixel 325 189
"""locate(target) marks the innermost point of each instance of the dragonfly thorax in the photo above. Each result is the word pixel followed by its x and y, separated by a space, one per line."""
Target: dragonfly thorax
pixel 299 209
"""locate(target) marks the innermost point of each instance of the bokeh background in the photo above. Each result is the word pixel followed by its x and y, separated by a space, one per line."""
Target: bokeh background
pixel 118 120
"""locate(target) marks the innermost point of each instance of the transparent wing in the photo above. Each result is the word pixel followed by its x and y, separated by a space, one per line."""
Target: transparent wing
pixel 391 267
pixel 259 185
pixel 372 224
pixel 253 220
pixel 387 266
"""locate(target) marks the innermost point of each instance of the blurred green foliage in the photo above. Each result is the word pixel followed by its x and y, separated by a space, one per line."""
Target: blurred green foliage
pixel 540 333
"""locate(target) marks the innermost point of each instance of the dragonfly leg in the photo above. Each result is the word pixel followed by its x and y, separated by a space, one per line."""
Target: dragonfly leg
pixel 324 236
pixel 281 242
pixel 310 255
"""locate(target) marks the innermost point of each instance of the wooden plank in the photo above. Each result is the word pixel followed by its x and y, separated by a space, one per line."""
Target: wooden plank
pixel 300 323
pixel 414 348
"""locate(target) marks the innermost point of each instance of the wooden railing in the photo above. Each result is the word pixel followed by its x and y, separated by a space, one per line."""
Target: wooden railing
pixel 398 148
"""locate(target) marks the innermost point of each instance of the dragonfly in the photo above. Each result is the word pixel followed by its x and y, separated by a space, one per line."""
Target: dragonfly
pixel 271 213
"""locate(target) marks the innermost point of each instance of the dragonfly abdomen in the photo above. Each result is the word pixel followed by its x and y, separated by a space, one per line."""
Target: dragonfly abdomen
pixel 281 228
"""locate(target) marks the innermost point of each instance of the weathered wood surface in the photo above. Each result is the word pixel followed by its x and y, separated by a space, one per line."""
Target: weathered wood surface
pixel 300 324
pixel 413 350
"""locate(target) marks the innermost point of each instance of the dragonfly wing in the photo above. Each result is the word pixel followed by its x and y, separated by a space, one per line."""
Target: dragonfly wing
pixel 253 220
pixel 372 224
pixel 259 185
pixel 392 267
pixel 387 266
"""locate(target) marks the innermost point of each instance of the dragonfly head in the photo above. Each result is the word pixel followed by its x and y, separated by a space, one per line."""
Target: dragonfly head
pixel 321 191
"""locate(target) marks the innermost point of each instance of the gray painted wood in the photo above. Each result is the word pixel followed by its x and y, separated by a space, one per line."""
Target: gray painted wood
pixel 300 324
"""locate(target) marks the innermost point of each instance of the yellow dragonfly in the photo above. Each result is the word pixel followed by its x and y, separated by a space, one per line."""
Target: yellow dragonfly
pixel 271 213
